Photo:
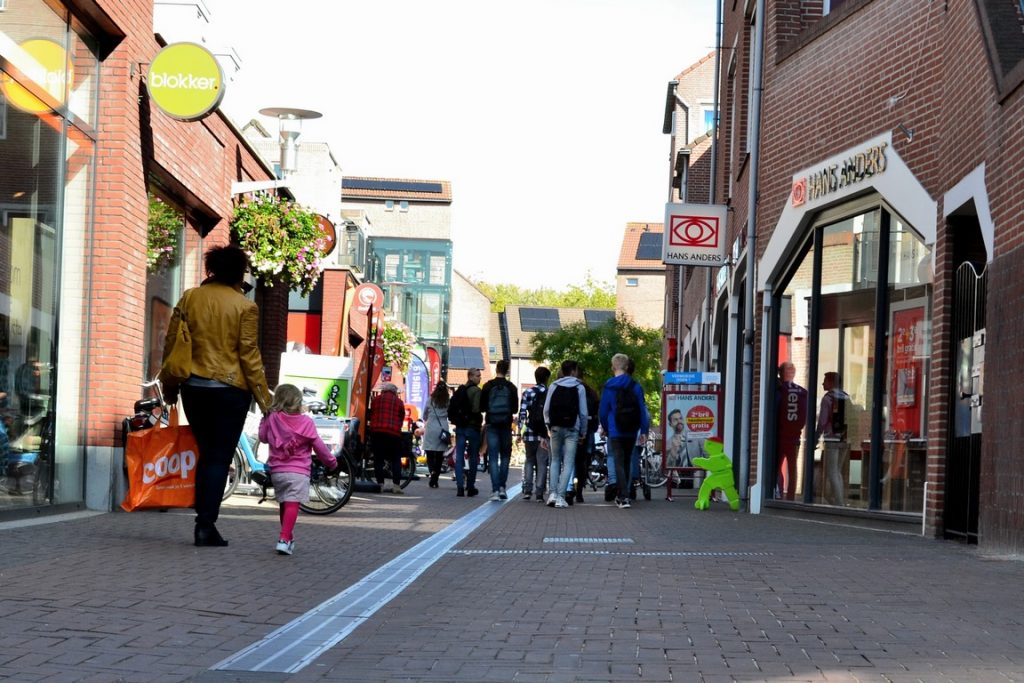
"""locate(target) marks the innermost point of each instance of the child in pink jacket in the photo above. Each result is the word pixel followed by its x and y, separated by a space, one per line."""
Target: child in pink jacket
pixel 291 436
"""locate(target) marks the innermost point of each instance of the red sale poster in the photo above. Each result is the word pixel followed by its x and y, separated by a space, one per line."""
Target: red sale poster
pixel 905 374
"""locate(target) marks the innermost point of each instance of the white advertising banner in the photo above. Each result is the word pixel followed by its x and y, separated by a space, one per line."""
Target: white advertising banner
pixel 694 235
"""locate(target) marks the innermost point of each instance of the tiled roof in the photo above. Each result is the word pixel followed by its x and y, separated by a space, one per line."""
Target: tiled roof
pixel 521 342
pixel 693 67
pixel 630 242
pixel 457 376
pixel 445 195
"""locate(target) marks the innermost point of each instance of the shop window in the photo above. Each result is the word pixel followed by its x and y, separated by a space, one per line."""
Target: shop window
pixel 164 255
pixel 827 325
pixel 430 321
pixel 391 267
pixel 438 270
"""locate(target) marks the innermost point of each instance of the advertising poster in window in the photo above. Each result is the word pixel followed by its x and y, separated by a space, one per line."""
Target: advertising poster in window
pixel 688 417
pixel 906 379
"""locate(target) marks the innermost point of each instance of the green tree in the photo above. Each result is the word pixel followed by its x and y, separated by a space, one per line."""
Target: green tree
pixel 591 294
pixel 593 349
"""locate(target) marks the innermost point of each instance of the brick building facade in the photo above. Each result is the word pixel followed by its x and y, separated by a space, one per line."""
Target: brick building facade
pixel 889 141
pixel 124 156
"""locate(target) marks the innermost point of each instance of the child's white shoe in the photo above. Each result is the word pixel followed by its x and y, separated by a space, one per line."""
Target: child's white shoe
pixel 285 547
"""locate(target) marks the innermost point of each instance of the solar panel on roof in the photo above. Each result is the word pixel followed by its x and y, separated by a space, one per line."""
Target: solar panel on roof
pixel 391 185
pixel 465 357
pixel 539 319
pixel 649 248
pixel 596 318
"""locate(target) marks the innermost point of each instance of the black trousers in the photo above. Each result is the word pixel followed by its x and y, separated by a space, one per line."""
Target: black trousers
pixel 387 448
pixel 216 416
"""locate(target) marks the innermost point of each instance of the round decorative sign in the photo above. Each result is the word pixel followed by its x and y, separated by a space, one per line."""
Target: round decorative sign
pixel 55 74
pixel 185 81
pixel 700 419
pixel 328 232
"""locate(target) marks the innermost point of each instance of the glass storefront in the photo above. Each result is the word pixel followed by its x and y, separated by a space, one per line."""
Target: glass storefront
pixel 845 393
pixel 48 69
pixel 415 276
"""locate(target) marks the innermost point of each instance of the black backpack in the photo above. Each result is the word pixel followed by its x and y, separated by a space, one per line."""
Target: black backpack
pixel 627 410
pixel 499 403
pixel 565 406
pixel 535 414
pixel 459 408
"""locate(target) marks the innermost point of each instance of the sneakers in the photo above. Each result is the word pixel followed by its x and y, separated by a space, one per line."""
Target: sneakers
pixel 284 547
pixel 495 497
pixel 622 504
pixel 501 493
pixel 541 497
pixel 526 496
pixel 395 488
pixel 552 498
pixel 560 503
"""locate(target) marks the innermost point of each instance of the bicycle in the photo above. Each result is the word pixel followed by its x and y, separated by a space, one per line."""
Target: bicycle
pixel 360 455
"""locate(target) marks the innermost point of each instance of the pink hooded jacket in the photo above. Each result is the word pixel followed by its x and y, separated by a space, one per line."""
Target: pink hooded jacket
pixel 291 437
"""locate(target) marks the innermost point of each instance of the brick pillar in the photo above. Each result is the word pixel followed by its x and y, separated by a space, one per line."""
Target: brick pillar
pixel 273 303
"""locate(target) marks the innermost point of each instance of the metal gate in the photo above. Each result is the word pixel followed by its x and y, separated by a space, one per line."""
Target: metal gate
pixel 963 451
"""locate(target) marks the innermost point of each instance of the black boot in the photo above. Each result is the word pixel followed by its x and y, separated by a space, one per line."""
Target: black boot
pixel 579 493
pixel 209 536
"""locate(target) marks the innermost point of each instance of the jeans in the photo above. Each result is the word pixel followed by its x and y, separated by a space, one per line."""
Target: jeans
pixel 836 455
pixel 621 450
pixel 499 453
pixel 563 458
pixel 216 416
pixel 610 464
pixel 533 469
pixel 466 437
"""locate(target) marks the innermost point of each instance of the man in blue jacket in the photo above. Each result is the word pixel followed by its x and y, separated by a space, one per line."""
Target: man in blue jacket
pixel 625 419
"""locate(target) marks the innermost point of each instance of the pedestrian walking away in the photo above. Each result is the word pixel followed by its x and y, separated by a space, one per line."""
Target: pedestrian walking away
pixel 533 433
pixel 436 434
pixel 291 436
pixel 624 418
pixel 387 415
pixel 498 399
pixel 464 413
pixel 212 357
pixel 565 413
pixel 585 449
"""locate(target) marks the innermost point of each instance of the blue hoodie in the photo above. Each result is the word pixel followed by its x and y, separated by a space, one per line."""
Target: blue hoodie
pixel 608 403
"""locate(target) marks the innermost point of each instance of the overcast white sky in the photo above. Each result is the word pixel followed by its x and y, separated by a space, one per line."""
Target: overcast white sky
pixel 545 115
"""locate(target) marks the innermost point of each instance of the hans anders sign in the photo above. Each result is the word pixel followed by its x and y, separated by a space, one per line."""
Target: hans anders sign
pixel 832 177
pixel 694 235
pixel 185 81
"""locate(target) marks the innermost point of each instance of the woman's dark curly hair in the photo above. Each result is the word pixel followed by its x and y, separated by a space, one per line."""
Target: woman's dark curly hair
pixel 227 264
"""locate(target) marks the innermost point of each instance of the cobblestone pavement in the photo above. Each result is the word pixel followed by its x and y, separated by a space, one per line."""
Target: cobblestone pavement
pixel 712 596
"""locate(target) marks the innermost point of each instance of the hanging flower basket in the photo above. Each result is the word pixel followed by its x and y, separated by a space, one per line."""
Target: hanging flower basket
pixel 283 241
pixel 163 235
pixel 397 342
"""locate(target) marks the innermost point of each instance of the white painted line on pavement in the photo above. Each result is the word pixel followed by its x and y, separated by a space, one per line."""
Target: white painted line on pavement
pixel 295 645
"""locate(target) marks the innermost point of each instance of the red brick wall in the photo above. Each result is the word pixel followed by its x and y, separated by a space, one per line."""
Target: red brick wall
pixel 137 142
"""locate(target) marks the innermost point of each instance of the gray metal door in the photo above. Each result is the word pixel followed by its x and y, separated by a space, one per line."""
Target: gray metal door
pixel 963 451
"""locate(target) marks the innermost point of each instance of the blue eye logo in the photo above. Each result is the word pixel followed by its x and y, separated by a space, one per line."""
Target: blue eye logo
pixel 694 231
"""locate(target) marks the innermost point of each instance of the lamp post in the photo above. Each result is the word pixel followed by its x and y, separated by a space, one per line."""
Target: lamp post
pixel 289 125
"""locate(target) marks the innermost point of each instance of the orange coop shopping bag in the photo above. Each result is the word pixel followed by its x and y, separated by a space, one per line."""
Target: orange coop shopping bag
pixel 161 467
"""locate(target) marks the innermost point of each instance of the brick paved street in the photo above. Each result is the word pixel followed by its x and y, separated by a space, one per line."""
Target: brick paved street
pixel 712 596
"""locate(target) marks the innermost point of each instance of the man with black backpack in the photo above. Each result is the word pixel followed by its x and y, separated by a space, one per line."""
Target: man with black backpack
pixel 624 417
pixel 498 399
pixel 534 435
pixel 565 412
pixel 464 413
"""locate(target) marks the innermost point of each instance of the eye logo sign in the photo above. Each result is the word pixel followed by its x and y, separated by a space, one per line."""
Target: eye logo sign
pixel 695 235
pixel 693 231
pixel 799 194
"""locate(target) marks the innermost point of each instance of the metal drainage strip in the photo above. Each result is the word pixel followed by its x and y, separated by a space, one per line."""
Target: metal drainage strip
pixel 295 645
pixel 635 553
pixel 550 539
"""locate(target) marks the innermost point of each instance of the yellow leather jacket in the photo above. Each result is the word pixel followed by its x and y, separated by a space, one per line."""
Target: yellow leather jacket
pixel 224 327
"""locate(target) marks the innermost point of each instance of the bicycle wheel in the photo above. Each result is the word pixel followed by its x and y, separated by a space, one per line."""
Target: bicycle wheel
pixel 597 476
pixel 234 473
pixel 329 492
pixel 650 465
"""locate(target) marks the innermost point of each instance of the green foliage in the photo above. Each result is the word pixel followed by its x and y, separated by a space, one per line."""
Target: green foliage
pixel 591 294
pixel 593 350
pixel 165 225
pixel 283 241
pixel 397 342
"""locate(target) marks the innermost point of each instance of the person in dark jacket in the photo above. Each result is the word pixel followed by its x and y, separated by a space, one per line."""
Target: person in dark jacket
pixel 621 440
pixel 535 467
pixel 467 432
pixel 499 399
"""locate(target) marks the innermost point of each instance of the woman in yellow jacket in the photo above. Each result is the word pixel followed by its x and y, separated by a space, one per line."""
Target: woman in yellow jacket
pixel 226 375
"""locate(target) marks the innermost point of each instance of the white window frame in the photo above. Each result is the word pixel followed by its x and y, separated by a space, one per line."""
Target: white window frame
pixel 632 282
pixel 403 205
pixel 389 204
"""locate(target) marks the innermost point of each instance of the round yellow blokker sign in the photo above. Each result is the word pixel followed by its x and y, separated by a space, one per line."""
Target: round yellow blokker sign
pixel 185 81
pixel 54 73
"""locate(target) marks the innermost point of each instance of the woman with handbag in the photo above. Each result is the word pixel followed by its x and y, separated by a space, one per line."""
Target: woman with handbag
pixel 211 355
pixel 437 436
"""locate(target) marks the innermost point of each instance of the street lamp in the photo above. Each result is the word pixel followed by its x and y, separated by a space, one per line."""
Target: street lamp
pixel 289 123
